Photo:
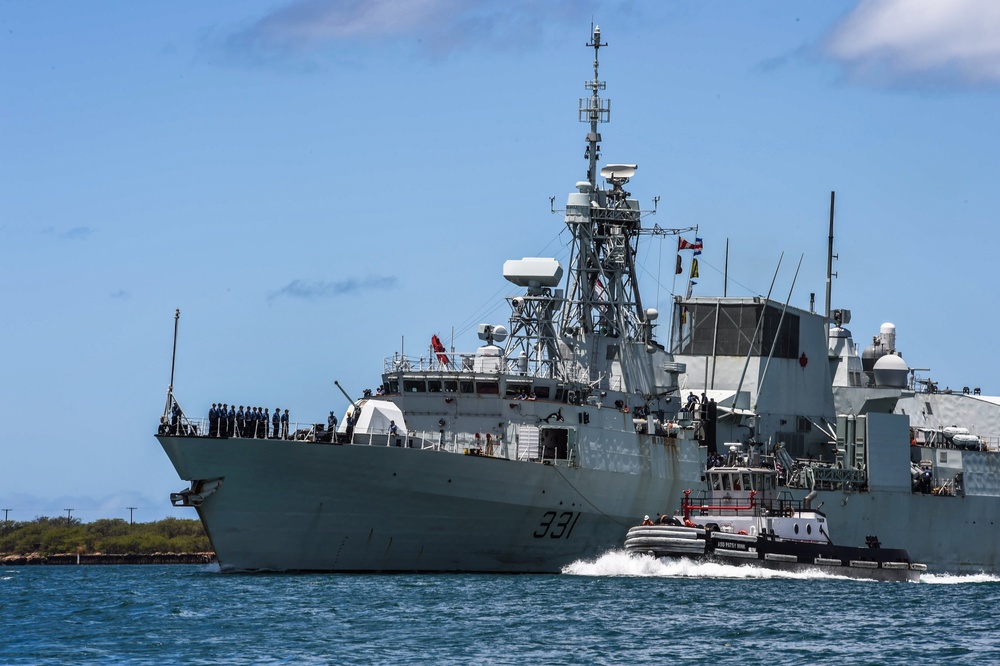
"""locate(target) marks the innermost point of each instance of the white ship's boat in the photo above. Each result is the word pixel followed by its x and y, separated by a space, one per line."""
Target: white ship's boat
pixel 744 519
pixel 514 458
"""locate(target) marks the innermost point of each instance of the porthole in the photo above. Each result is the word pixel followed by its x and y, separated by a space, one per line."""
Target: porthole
pixel 809 529
pixel 796 528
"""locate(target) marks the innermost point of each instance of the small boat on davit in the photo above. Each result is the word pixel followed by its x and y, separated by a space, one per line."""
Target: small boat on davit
pixel 742 519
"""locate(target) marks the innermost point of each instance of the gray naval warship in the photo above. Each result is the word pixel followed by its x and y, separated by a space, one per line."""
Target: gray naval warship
pixel 548 442
pixel 515 458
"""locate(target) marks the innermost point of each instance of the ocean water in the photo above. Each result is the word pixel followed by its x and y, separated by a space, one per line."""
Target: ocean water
pixel 616 609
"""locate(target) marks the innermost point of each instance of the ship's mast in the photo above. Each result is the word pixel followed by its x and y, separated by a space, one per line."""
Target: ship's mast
pixel 596 111
pixel 602 308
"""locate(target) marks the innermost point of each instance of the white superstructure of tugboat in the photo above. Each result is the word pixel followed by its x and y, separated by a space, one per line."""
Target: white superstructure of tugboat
pixel 524 455
pixel 743 519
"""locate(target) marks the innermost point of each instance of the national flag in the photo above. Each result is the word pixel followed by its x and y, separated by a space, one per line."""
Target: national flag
pixel 685 245
pixel 694 268
pixel 680 269
pixel 691 284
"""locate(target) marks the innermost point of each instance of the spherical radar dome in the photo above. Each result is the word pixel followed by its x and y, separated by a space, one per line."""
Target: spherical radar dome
pixel 891 370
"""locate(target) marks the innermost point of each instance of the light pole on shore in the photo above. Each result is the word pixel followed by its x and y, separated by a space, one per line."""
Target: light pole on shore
pixel 69 515
pixel 130 510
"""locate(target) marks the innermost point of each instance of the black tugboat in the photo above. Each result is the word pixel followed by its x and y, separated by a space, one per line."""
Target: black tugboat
pixel 742 519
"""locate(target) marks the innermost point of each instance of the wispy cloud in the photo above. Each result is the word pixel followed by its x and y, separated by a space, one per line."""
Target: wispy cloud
pixel 120 294
pixel 920 42
pixel 318 290
pixel 439 27
pixel 76 233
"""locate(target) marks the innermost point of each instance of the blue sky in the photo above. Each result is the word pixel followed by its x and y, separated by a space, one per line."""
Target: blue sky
pixel 316 183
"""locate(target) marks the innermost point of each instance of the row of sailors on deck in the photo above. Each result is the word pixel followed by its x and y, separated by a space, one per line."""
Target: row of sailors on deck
pixel 226 420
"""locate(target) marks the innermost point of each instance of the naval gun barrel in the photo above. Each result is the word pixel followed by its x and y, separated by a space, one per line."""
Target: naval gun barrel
pixel 349 398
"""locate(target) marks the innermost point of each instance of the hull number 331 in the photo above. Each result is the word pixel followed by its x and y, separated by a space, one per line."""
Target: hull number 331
pixel 557 525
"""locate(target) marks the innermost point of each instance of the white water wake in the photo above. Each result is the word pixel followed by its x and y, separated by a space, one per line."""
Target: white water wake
pixel 620 563
pixel 964 579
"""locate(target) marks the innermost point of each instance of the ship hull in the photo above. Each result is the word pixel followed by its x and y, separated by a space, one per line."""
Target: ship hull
pixel 306 506
pixel 949 534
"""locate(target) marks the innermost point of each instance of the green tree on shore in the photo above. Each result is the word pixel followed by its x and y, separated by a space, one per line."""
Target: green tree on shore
pixel 50 536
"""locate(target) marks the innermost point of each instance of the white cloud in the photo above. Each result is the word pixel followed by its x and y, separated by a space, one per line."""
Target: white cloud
pixel 954 41
pixel 440 26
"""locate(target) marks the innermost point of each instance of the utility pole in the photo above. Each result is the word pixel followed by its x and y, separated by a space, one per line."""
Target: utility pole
pixel 69 515
pixel 130 510
pixel 5 512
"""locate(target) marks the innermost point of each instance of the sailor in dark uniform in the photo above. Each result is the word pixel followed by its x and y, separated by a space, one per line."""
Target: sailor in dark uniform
pixel 241 422
pixel 284 425
pixel 276 422
pixel 231 421
pixel 213 421
pixel 175 419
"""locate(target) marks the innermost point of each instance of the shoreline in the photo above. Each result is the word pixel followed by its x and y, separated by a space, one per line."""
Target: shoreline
pixel 105 558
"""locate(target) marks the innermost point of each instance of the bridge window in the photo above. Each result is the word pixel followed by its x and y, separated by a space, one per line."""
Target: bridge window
pixel 515 389
pixel 414 386
pixel 488 388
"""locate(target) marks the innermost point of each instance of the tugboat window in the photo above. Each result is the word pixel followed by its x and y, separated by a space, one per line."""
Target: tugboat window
pixel 796 528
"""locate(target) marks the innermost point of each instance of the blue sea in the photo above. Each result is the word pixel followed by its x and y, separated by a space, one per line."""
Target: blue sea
pixel 616 609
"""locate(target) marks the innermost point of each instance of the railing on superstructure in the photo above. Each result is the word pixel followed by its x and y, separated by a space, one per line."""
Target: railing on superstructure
pixel 458 362
pixel 700 504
